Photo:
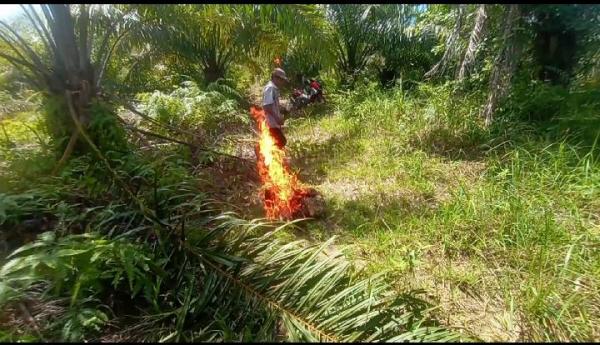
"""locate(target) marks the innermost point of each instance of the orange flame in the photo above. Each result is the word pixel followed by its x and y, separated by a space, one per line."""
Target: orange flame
pixel 282 193
pixel 277 61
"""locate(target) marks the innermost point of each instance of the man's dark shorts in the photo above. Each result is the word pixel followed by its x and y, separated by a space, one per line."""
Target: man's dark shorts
pixel 278 136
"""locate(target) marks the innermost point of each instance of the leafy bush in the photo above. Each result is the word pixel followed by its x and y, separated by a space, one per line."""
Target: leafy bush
pixel 536 101
pixel 191 108
pixel 84 268
pixel 13 207
pixel 23 150
pixel 234 282
pixel 554 111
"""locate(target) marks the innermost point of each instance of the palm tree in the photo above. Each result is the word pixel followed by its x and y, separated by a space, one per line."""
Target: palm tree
pixel 405 51
pixel 355 33
pixel 505 63
pixel 207 36
pixel 306 34
pixel 77 44
pixel 213 37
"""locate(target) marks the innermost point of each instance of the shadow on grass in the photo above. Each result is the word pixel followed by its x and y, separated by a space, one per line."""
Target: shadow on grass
pixel 313 159
pixel 373 212
pixel 368 213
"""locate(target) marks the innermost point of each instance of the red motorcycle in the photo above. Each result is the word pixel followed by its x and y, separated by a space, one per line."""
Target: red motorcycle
pixel 316 92
pixel 301 98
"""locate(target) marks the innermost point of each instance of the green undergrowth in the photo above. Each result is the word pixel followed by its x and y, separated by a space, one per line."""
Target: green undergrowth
pixel 126 247
pixel 415 183
pixel 491 232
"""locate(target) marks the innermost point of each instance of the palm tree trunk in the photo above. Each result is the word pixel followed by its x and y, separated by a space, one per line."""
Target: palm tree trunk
pixel 477 36
pixel 504 64
pixel 441 67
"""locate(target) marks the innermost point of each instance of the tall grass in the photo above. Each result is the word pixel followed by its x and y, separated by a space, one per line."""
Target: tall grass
pixel 420 181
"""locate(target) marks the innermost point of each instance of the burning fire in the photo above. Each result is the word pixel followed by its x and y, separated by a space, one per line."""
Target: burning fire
pixel 281 192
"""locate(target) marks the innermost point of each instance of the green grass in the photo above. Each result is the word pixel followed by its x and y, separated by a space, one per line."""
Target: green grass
pixel 501 228
pixel 24 149
pixel 505 239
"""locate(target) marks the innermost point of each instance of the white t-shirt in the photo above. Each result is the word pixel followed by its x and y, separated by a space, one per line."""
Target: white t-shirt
pixel 271 96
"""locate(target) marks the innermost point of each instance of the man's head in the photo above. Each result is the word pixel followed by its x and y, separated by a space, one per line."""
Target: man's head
pixel 279 78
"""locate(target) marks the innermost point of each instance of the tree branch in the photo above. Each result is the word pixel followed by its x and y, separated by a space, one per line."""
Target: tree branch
pixel 20 65
pixel 192 146
pixel 104 42
pixel 10 44
pixel 440 67
pixel 477 36
pixel 34 57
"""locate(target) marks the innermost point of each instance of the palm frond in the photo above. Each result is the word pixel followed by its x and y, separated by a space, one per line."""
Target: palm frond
pixel 477 37
pixel 319 298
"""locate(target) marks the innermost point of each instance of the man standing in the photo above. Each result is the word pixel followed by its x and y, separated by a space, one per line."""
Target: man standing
pixel 271 106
